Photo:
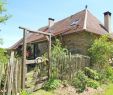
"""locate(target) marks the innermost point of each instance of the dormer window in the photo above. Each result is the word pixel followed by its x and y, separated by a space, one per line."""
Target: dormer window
pixel 74 22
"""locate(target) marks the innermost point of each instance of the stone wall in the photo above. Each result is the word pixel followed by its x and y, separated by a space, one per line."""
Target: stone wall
pixel 78 42
pixel 75 43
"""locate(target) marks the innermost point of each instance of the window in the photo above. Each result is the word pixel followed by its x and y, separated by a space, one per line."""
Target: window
pixel 74 22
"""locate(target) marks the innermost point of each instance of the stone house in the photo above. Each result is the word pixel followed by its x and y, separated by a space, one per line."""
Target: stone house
pixel 76 33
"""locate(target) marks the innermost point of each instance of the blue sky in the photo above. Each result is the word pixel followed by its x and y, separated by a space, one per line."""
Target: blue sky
pixel 34 14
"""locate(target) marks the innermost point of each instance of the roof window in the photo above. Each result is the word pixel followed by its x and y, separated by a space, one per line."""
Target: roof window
pixel 74 22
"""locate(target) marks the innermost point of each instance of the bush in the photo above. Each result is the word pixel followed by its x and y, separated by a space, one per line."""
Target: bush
pixel 109 71
pixel 93 83
pixel 80 81
pixel 106 75
pixel 91 73
pixel 101 51
pixel 3 56
pixel 56 53
pixel 52 84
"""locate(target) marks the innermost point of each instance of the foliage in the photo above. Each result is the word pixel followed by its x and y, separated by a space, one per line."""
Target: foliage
pixel 93 83
pixel 106 75
pixel 101 51
pixel 3 62
pixel 52 84
pixel 24 92
pixel 91 73
pixel 3 16
pixel 109 72
pixel 3 56
pixel 57 52
pixel 80 81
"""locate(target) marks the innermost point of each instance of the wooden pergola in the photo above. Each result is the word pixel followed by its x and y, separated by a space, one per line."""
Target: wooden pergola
pixel 48 36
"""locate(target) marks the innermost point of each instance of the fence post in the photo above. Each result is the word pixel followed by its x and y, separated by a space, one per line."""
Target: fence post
pixel 10 75
pixel 23 60
pixel 49 57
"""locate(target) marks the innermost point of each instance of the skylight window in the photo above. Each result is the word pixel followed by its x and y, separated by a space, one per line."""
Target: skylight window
pixel 74 22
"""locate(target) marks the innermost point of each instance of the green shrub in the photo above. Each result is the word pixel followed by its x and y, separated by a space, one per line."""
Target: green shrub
pixel 80 81
pixel 3 56
pixel 91 73
pixel 103 79
pixel 52 84
pixel 93 83
pixel 57 52
pixel 101 51
pixel 24 92
pixel 106 75
pixel 109 71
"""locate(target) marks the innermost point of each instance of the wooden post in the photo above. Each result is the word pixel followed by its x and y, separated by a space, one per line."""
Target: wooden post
pixel 49 57
pixel 10 75
pixel 49 48
pixel 23 60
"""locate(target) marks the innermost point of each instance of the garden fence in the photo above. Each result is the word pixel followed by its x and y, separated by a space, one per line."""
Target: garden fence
pixel 65 67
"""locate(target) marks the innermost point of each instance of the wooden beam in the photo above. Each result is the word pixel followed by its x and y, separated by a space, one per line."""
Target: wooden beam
pixel 38 60
pixel 30 62
pixel 32 31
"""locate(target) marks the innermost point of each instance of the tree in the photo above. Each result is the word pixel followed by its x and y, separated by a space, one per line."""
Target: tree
pixel 3 56
pixel 3 18
pixel 101 51
pixel 3 15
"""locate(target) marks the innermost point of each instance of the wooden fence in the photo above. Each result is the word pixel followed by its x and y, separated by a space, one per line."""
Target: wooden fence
pixel 12 79
pixel 65 67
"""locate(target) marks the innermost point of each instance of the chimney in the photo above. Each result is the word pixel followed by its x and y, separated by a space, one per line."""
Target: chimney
pixel 107 21
pixel 50 22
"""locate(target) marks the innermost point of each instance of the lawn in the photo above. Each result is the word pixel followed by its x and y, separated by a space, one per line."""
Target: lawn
pixel 109 90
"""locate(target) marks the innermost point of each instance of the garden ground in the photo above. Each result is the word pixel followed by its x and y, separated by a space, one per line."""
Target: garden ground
pixel 104 90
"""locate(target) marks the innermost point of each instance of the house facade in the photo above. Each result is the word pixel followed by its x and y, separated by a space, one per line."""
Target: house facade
pixel 75 32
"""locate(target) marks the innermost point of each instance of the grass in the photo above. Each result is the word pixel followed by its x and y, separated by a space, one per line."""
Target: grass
pixel 109 90
pixel 43 92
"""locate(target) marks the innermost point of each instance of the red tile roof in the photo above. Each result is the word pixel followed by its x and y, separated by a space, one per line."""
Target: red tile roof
pixel 82 20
